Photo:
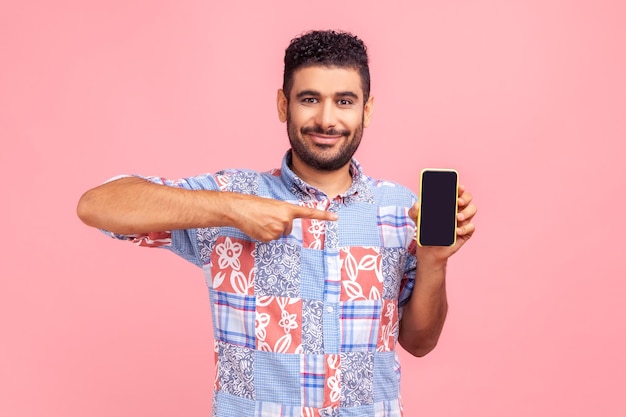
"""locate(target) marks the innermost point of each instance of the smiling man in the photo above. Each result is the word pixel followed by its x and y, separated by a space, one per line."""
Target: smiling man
pixel 314 276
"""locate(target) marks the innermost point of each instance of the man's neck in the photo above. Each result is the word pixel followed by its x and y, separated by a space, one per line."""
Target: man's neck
pixel 332 183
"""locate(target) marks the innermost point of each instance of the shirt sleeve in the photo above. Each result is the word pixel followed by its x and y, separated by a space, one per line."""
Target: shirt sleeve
pixel 181 242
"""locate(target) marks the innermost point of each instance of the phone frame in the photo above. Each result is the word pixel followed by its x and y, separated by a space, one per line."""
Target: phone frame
pixel 420 200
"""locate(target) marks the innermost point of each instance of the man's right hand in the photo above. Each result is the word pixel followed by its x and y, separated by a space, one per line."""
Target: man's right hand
pixel 267 219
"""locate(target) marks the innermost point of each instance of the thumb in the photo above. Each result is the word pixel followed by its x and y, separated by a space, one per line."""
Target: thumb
pixel 413 211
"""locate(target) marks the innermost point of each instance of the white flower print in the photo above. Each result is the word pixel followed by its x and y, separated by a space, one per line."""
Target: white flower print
pixel 317 229
pixel 229 253
pixel 288 321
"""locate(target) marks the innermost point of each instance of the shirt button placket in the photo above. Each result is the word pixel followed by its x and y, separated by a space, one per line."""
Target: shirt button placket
pixel 331 312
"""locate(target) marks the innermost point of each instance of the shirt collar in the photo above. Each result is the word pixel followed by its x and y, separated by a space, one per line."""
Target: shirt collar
pixel 358 191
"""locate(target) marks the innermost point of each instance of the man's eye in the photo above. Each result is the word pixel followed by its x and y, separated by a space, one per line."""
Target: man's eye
pixel 344 102
pixel 309 100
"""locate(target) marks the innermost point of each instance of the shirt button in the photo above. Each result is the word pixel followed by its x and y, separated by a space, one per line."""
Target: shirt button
pixel 329 309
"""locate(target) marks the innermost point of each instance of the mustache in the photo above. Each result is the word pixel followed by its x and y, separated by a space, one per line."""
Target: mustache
pixel 318 130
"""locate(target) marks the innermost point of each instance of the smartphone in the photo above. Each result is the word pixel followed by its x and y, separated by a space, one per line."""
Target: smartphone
pixel 436 221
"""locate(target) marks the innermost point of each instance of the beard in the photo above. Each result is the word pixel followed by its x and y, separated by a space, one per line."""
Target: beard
pixel 319 156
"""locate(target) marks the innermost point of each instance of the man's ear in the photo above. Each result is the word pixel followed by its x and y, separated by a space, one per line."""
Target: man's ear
pixel 368 110
pixel 281 105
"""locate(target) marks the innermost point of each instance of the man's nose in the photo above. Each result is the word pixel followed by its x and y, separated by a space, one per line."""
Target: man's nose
pixel 327 116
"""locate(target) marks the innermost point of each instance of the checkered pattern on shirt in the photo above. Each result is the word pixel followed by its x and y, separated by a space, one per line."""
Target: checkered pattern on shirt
pixel 305 325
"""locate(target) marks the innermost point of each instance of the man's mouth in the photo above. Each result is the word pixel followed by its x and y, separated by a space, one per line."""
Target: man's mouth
pixel 328 138
pixel 325 140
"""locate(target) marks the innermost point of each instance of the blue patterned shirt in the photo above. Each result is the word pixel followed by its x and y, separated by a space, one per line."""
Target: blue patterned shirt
pixel 305 325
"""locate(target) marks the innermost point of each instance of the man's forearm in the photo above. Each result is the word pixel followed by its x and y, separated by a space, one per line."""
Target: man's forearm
pixel 424 315
pixel 133 205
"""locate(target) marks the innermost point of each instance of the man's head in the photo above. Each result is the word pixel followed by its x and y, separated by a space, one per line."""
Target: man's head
pixel 325 99
pixel 329 49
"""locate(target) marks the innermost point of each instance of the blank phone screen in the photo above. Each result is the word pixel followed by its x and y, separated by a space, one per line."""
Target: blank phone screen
pixel 438 207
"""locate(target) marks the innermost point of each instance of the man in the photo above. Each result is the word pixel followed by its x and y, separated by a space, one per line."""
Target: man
pixel 313 271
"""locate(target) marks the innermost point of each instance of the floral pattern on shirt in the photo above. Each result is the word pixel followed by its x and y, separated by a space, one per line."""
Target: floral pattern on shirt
pixel 389 327
pixel 392 265
pixel 238 181
pixel 206 242
pixel 313 230
pixel 233 265
pixel 278 324
pixel 312 329
pixel 333 388
pixel 357 376
pixel 278 269
pixel 235 370
pixel 361 274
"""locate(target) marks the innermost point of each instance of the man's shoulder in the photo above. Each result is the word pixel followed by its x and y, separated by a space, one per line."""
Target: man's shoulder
pixel 244 180
pixel 383 187
pixel 246 172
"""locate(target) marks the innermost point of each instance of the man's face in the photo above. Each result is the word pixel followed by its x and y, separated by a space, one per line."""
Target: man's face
pixel 325 116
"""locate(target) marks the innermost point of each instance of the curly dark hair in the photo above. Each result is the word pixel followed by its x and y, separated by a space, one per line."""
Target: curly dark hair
pixel 328 48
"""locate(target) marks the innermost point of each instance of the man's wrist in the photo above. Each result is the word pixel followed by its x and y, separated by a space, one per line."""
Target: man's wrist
pixel 432 262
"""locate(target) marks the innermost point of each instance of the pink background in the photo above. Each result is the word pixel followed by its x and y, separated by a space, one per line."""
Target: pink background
pixel 527 99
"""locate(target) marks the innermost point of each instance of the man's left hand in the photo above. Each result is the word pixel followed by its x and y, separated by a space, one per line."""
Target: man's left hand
pixel 464 231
